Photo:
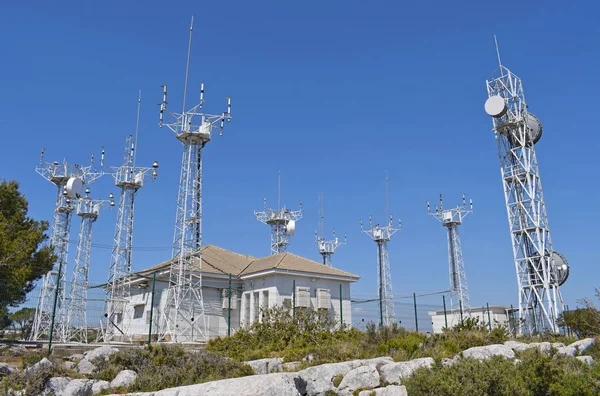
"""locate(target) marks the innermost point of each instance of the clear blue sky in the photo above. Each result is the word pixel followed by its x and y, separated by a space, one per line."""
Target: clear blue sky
pixel 334 94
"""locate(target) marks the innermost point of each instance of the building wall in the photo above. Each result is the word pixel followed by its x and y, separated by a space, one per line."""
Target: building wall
pixel 277 289
pixel 498 315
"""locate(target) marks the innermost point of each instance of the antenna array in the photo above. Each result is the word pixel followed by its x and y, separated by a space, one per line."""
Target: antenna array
pixel 381 236
pixel 184 319
pixel 451 219
pixel 516 131
pixel 50 316
pixel 326 248
pixel 281 220
pixel 89 210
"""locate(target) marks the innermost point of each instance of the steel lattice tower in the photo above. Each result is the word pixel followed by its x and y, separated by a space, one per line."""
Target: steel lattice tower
pixel 184 318
pixel 326 248
pixel 88 209
pixel 51 306
pixel 516 131
pixel 451 219
pixel 129 178
pixel 281 220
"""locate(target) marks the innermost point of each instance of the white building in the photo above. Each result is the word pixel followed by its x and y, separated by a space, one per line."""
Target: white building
pixel 255 283
pixel 498 315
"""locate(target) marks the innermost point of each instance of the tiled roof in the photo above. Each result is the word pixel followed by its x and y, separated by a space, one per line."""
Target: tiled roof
pixel 216 260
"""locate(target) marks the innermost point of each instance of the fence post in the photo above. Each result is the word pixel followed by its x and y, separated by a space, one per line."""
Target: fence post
pixel 341 309
pixel 294 299
pixel 54 307
pixel 229 308
pixel 568 327
pixel 445 315
pixel 416 320
pixel 489 317
pixel 151 308
pixel 461 313
pixel 511 320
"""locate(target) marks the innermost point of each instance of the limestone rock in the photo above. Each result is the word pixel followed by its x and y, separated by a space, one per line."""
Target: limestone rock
pixel 516 345
pixel 276 384
pixel 85 367
pixel 318 379
pixel 17 350
pixel 360 377
pixel 78 387
pixel 558 345
pixel 103 351
pixel 5 369
pixel 566 351
pixel 125 378
pixel 42 363
pixel 486 352
pixel 266 366
pixel 56 385
pixel 391 390
pixel 544 347
pixel 583 345
pixel 75 357
pixel 99 386
pixel 291 366
pixel 585 359
pixel 393 373
pixel 69 365
pixel 448 362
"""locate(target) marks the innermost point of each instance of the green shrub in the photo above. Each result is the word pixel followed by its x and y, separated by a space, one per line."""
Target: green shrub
pixel 337 380
pixel 165 366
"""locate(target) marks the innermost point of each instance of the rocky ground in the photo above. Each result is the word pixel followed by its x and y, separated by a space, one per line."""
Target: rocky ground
pixel 379 376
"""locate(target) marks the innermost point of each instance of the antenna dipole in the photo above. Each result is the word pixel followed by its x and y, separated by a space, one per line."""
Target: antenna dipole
pixel 129 178
pixel 50 321
pixel 517 131
pixel 451 219
pixel 89 210
pixel 381 236
pixel 326 247
pixel 281 220
pixel 184 318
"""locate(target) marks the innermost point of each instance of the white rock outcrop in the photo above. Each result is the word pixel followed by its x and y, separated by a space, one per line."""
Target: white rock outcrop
pixel 99 386
pixel 360 377
pixel 56 385
pixel 543 347
pixel 394 372
pixel 266 366
pixel 77 387
pixel 577 348
pixel 42 363
pixel 103 351
pixel 585 359
pixel 488 351
pixel 85 367
pixel 125 378
pixel 391 390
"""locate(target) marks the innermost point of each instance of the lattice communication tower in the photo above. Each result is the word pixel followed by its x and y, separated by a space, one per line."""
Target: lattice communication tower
pixel 50 316
pixel 540 271
pixel 451 219
pixel 184 319
pixel 129 178
pixel 381 236
pixel 281 220
pixel 326 247
pixel 89 210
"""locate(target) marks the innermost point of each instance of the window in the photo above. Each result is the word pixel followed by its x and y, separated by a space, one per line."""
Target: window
pixel 265 303
pixel 303 297
pixel 138 311
pixel 323 298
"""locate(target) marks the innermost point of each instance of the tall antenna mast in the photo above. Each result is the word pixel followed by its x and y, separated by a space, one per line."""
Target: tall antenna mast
pixel 50 320
pixel 184 319
pixel 281 220
pixel 326 248
pixel 88 209
pixel 381 236
pixel 451 219
pixel 538 274
pixel 129 178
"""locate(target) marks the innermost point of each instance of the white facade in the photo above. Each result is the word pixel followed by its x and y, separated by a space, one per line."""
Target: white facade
pixel 499 316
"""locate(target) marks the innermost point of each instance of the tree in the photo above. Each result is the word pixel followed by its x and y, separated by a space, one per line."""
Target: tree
pixel 24 318
pixel 23 259
pixel 584 321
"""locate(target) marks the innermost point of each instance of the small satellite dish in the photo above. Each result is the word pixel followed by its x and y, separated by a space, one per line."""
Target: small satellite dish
pixel 495 106
pixel 291 227
pixel 533 132
pixel 561 267
pixel 74 187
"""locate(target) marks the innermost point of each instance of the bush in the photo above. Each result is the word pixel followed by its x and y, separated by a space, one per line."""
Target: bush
pixel 537 374
pixel 166 366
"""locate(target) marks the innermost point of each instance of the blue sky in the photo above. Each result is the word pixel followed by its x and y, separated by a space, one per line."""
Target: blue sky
pixel 333 94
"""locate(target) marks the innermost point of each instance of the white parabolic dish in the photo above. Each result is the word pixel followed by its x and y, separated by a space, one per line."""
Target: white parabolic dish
pixel 74 187
pixel 291 227
pixel 495 106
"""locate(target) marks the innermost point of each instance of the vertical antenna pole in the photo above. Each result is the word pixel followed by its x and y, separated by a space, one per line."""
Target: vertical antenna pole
pixel 498 53
pixel 278 189
pixel 137 126
pixel 187 66
pixel 387 214
pixel 229 307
